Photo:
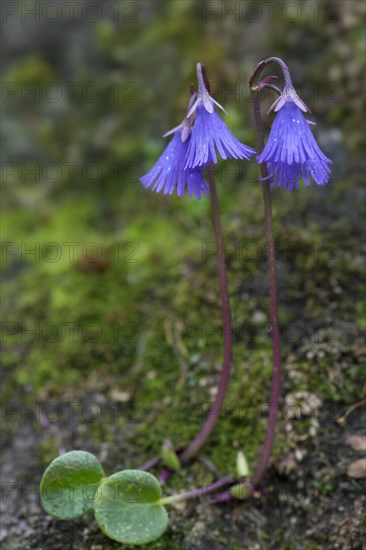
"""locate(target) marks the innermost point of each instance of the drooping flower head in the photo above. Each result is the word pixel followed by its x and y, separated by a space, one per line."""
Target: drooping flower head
pixel 291 151
pixel 210 133
pixel 168 174
pixel 194 147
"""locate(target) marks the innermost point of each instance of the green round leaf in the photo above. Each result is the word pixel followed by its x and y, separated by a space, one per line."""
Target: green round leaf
pixel 69 484
pixel 127 507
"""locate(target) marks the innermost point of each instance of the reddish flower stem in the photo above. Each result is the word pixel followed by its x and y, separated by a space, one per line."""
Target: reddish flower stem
pixel 201 491
pixel 150 464
pixel 263 64
pixel 273 306
pixel 215 411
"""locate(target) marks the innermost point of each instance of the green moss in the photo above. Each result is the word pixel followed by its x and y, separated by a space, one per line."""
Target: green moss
pixel 135 307
pixel 48 450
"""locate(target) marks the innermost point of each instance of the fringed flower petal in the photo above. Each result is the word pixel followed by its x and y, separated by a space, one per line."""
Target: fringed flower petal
pixel 210 134
pixel 168 174
pixel 291 151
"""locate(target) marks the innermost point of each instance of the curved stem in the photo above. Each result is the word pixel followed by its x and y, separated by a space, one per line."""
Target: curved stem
pixel 150 464
pixel 263 64
pixel 273 307
pixel 228 480
pixel 288 92
pixel 208 426
pixel 226 496
pixel 272 87
pixel 197 443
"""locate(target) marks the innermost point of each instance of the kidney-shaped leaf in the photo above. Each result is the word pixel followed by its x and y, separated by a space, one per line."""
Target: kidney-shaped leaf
pixel 127 507
pixel 69 484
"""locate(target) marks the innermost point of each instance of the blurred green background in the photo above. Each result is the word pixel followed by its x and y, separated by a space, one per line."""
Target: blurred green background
pixel 113 279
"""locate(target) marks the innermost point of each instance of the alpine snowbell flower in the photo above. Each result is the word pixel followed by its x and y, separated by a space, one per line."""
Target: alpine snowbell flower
pixel 291 151
pixel 210 133
pixel 193 147
pixel 168 174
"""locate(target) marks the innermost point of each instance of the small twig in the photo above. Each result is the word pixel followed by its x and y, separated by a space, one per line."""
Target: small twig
pixel 209 465
pixel 173 336
pixel 341 419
